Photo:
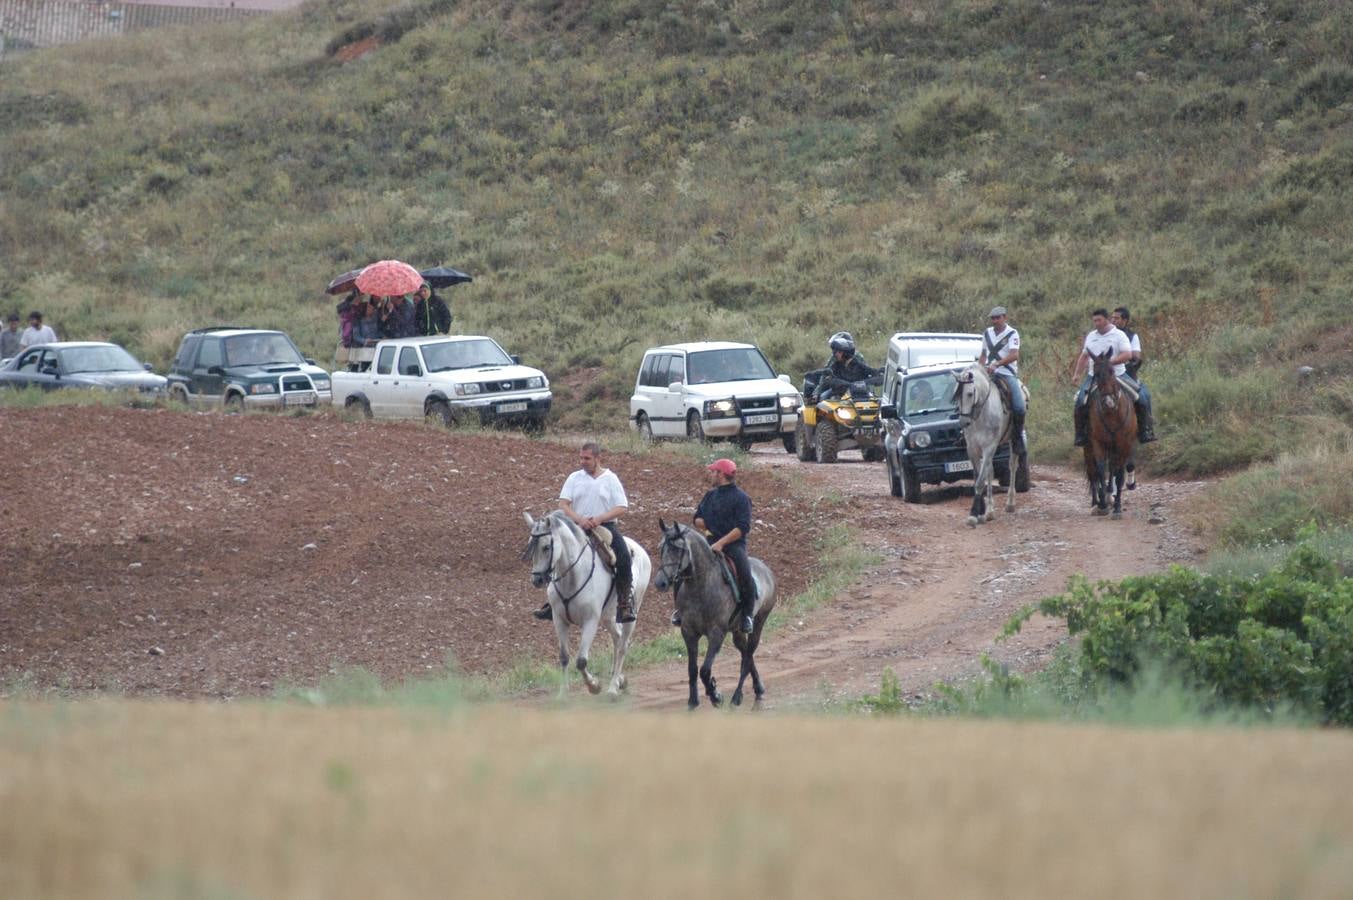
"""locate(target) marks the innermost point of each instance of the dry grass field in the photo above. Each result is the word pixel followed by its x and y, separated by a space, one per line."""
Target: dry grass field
pixel 159 799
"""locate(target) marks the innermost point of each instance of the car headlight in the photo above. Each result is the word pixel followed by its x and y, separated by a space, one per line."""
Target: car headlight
pixel 535 381
pixel 789 402
pixel 920 439
pixel 265 388
pixel 464 389
pixel 718 408
pixel 845 413
pixel 321 384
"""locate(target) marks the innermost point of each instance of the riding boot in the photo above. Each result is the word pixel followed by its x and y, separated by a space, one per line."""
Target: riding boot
pixel 1083 425
pixel 545 613
pixel 1017 447
pixel 1145 432
pixel 624 597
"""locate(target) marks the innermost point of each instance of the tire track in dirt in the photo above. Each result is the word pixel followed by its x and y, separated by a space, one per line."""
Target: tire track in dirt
pixel 941 591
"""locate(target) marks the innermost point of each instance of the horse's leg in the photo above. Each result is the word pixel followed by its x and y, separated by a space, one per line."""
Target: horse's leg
pixel 561 632
pixel 620 640
pixel 978 510
pixel 707 669
pixel 753 642
pixel 584 648
pixel 741 642
pixel 1010 486
pixel 1101 489
pixel 1118 479
pixel 989 468
pixel 692 649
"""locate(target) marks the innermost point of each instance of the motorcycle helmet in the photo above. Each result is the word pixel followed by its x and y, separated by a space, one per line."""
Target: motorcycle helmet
pixel 842 341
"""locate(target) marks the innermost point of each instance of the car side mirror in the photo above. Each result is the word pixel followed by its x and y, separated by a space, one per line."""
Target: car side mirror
pixel 516 359
pixel 887 411
pixel 147 367
pixel 50 369
pixel 785 378
pixel 309 361
pixel 215 370
pixel 675 386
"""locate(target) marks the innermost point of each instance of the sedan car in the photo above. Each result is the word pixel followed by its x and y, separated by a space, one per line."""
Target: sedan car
pixel 80 364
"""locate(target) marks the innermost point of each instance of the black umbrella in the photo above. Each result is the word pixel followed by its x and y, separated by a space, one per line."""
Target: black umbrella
pixel 444 276
pixel 343 283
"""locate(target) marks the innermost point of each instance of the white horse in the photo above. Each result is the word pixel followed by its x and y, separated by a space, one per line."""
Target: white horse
pixel 579 591
pixel 986 425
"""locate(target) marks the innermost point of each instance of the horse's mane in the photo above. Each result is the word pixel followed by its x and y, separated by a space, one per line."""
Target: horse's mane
pixel 696 541
pixel 558 515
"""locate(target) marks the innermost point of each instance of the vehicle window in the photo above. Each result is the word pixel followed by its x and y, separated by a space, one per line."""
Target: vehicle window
pixel 209 355
pixel 929 393
pixel 98 359
pixel 184 358
pixel 29 361
pixel 386 361
pixel 646 370
pixel 676 369
pixel 737 364
pixel 443 356
pixel 657 375
pixel 408 362
pixel 265 349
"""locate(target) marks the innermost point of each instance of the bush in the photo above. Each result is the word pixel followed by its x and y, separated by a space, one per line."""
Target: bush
pixel 940 121
pixel 1283 640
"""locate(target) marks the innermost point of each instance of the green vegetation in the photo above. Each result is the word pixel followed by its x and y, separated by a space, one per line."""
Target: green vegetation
pixel 625 172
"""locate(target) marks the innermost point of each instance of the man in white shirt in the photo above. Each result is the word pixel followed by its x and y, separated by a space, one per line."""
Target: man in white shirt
pixel 1102 337
pixel 1000 355
pixel 594 498
pixel 36 333
pixel 1122 319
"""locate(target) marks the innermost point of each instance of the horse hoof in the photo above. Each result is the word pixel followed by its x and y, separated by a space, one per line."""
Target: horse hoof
pixel 594 688
pixel 991 517
pixel 1116 515
pixel 624 682
pixel 692 705
pixel 1010 508
pixel 736 699
pixel 972 521
pixel 716 699
pixel 1097 512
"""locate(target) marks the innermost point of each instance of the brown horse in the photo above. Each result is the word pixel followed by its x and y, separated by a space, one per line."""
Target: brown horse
pixel 1113 437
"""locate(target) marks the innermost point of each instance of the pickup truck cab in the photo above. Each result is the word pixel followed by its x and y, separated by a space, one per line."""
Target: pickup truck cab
pixel 447 378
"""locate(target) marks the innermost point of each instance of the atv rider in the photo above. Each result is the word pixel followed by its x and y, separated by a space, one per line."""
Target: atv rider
pixel 844 369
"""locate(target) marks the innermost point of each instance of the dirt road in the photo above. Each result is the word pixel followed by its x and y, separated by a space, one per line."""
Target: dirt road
pixel 941 591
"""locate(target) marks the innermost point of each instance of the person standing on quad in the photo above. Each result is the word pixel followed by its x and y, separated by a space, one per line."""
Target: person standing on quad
pixel 1000 356
pixel 845 367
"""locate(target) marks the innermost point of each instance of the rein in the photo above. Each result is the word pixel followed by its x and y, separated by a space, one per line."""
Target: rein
pixel 684 566
pixel 978 401
pixel 554 580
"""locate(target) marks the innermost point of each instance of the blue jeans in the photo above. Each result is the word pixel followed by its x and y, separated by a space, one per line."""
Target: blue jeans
pixel 1016 395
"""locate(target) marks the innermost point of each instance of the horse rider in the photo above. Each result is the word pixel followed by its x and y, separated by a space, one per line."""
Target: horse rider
pixel 1104 336
pixel 1121 319
pixel 845 367
pixel 725 517
pixel 593 497
pixel 1000 357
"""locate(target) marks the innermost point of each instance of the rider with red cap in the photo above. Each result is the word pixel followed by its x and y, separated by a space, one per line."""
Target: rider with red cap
pixel 725 515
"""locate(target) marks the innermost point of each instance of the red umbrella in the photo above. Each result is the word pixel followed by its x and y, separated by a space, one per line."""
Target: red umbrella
pixel 389 278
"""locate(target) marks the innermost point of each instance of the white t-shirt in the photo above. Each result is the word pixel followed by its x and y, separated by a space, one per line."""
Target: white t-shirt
pixel 31 336
pixel 594 496
pixel 1136 343
pixel 990 338
pixel 1113 339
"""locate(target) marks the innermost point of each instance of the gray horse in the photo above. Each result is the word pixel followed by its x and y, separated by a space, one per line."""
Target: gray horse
pixel 688 566
pixel 986 426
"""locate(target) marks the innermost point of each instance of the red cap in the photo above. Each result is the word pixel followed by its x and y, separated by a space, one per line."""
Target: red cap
pixel 724 466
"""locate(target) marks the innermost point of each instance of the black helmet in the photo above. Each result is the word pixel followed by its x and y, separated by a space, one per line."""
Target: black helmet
pixel 842 341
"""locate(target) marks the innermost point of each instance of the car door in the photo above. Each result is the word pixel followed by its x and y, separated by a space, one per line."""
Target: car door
pixel 207 379
pixel 411 387
pixel 381 393
pixel 28 372
pixel 670 403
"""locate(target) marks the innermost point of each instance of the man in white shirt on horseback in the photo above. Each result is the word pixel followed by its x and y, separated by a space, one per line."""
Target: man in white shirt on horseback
pixel 1121 319
pixel 1000 356
pixel 593 497
pixel 1104 336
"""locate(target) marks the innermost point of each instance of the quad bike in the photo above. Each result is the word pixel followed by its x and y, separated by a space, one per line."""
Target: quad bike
pixel 834 420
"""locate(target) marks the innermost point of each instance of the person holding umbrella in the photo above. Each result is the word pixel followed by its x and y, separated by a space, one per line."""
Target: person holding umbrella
pixel 431 312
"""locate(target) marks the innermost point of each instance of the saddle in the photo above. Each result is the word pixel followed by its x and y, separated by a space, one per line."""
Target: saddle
pixel 601 541
pixel 730 577
pixel 1003 388
pixel 1125 384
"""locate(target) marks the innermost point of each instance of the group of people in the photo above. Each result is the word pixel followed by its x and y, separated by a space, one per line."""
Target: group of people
pixel 12 340
pixel 593 497
pixel 363 320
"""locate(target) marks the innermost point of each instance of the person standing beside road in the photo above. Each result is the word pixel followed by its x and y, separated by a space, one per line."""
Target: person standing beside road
pixel 1121 319
pixel 431 312
pixel 725 514
pixel 1102 337
pixel 1000 356
pixel 9 337
pixel 36 332
pixel 593 497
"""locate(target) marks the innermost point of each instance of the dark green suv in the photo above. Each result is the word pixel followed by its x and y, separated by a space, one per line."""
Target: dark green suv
pixel 245 368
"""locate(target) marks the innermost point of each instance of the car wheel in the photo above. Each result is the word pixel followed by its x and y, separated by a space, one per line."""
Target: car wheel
pixel 645 428
pixel 825 441
pixel 744 444
pixel 804 443
pixel 894 482
pixel 179 394
pixel 872 454
pixel 234 403
pixel 534 425
pixel 1002 476
pixel 357 408
pixel 790 441
pixel 694 430
pixel 1022 474
pixel 439 412
pixel 911 485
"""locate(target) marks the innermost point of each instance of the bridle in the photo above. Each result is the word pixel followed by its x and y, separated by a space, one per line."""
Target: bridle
pixel 1107 392
pixel 964 379
pixel 680 571
pixel 548 571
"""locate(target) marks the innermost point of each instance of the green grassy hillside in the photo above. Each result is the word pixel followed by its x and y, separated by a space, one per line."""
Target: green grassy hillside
pixel 624 172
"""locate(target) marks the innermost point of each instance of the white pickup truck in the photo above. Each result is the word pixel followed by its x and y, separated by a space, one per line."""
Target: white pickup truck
pixel 447 378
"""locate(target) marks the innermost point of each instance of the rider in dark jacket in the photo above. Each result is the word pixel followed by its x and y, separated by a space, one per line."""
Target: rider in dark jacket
pixel 845 367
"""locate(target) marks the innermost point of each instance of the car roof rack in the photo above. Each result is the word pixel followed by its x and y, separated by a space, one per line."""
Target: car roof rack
pixel 212 328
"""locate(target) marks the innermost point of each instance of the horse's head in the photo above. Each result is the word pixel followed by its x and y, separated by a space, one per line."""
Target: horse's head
pixel 674 556
pixel 539 550
pixel 971 386
pixel 1105 381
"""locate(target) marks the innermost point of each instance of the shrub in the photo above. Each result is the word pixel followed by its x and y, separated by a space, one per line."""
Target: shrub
pixel 1324 87
pixel 940 121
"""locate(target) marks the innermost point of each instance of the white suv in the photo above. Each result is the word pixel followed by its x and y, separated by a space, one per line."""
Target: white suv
pixel 713 390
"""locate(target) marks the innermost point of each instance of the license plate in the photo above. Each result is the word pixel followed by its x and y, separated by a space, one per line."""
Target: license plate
pixel 519 406
pixel 960 466
pixel 300 398
pixel 761 419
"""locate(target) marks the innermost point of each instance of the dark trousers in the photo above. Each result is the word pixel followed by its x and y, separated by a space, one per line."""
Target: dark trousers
pixel 624 575
pixel 737 555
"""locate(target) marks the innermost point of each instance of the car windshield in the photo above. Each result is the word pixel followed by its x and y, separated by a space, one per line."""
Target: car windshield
pixel 261 350
pixel 926 394
pixel 715 366
pixel 98 359
pixel 444 356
